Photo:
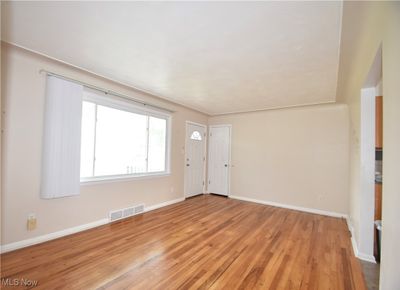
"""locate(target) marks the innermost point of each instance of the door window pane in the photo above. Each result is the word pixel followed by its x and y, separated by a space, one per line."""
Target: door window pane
pixel 196 136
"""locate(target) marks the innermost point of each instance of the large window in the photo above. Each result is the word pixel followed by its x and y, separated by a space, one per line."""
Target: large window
pixel 120 140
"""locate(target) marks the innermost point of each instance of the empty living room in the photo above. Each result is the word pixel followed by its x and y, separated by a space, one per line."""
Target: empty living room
pixel 200 145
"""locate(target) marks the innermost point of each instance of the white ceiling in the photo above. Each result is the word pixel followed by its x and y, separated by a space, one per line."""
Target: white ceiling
pixel 216 57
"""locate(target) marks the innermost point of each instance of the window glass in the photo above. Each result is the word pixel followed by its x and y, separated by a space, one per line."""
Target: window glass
pixel 120 142
pixel 87 138
pixel 116 142
pixel 157 142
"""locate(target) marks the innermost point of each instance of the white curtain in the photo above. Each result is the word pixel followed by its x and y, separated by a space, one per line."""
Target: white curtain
pixel 62 139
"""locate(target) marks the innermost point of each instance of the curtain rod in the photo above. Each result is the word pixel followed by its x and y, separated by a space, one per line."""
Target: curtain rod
pixel 109 92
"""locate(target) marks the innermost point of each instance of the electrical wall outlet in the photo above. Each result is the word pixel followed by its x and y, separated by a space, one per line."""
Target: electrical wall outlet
pixel 31 224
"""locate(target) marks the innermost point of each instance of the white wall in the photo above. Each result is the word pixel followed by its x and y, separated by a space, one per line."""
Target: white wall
pixel 366 26
pixel 23 97
pixel 296 156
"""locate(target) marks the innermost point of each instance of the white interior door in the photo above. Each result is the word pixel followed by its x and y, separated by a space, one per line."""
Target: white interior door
pixel 195 159
pixel 219 159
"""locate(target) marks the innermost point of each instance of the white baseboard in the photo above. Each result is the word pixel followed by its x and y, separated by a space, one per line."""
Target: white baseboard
pixel 357 253
pixel 304 209
pixel 366 257
pixel 159 205
pixel 44 238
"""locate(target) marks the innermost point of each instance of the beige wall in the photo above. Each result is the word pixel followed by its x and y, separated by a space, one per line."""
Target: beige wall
pixel 295 156
pixel 367 25
pixel 23 97
pixel 302 151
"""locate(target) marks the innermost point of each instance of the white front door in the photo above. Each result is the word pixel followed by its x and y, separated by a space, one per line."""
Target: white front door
pixel 219 159
pixel 195 159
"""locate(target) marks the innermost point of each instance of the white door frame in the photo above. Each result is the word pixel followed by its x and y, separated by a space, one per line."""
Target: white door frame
pixel 229 155
pixel 367 175
pixel 205 155
pixel 364 237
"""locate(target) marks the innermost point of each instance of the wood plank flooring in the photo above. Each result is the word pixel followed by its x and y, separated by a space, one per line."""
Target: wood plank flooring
pixel 206 242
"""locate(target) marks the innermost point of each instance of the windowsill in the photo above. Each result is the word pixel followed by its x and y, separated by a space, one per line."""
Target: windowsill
pixel 122 178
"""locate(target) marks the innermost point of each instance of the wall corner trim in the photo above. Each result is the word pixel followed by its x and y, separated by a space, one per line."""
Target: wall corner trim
pixel 55 235
pixel 357 253
pixel 293 207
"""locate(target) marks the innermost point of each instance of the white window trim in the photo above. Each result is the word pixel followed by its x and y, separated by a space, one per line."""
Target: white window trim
pixel 107 100
pixel 103 99
pixel 122 178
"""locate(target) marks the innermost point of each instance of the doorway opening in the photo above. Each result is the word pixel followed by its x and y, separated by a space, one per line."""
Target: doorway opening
pixel 371 153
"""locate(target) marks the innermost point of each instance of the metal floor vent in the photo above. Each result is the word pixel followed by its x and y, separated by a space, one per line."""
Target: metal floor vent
pixel 126 212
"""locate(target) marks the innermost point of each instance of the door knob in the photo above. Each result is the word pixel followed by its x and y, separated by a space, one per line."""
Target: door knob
pixel 187 164
pixel 226 165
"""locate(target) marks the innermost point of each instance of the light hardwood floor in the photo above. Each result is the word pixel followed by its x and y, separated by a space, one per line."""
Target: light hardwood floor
pixel 206 242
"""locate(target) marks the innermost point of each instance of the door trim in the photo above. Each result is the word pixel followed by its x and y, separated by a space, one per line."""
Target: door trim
pixel 229 155
pixel 205 156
